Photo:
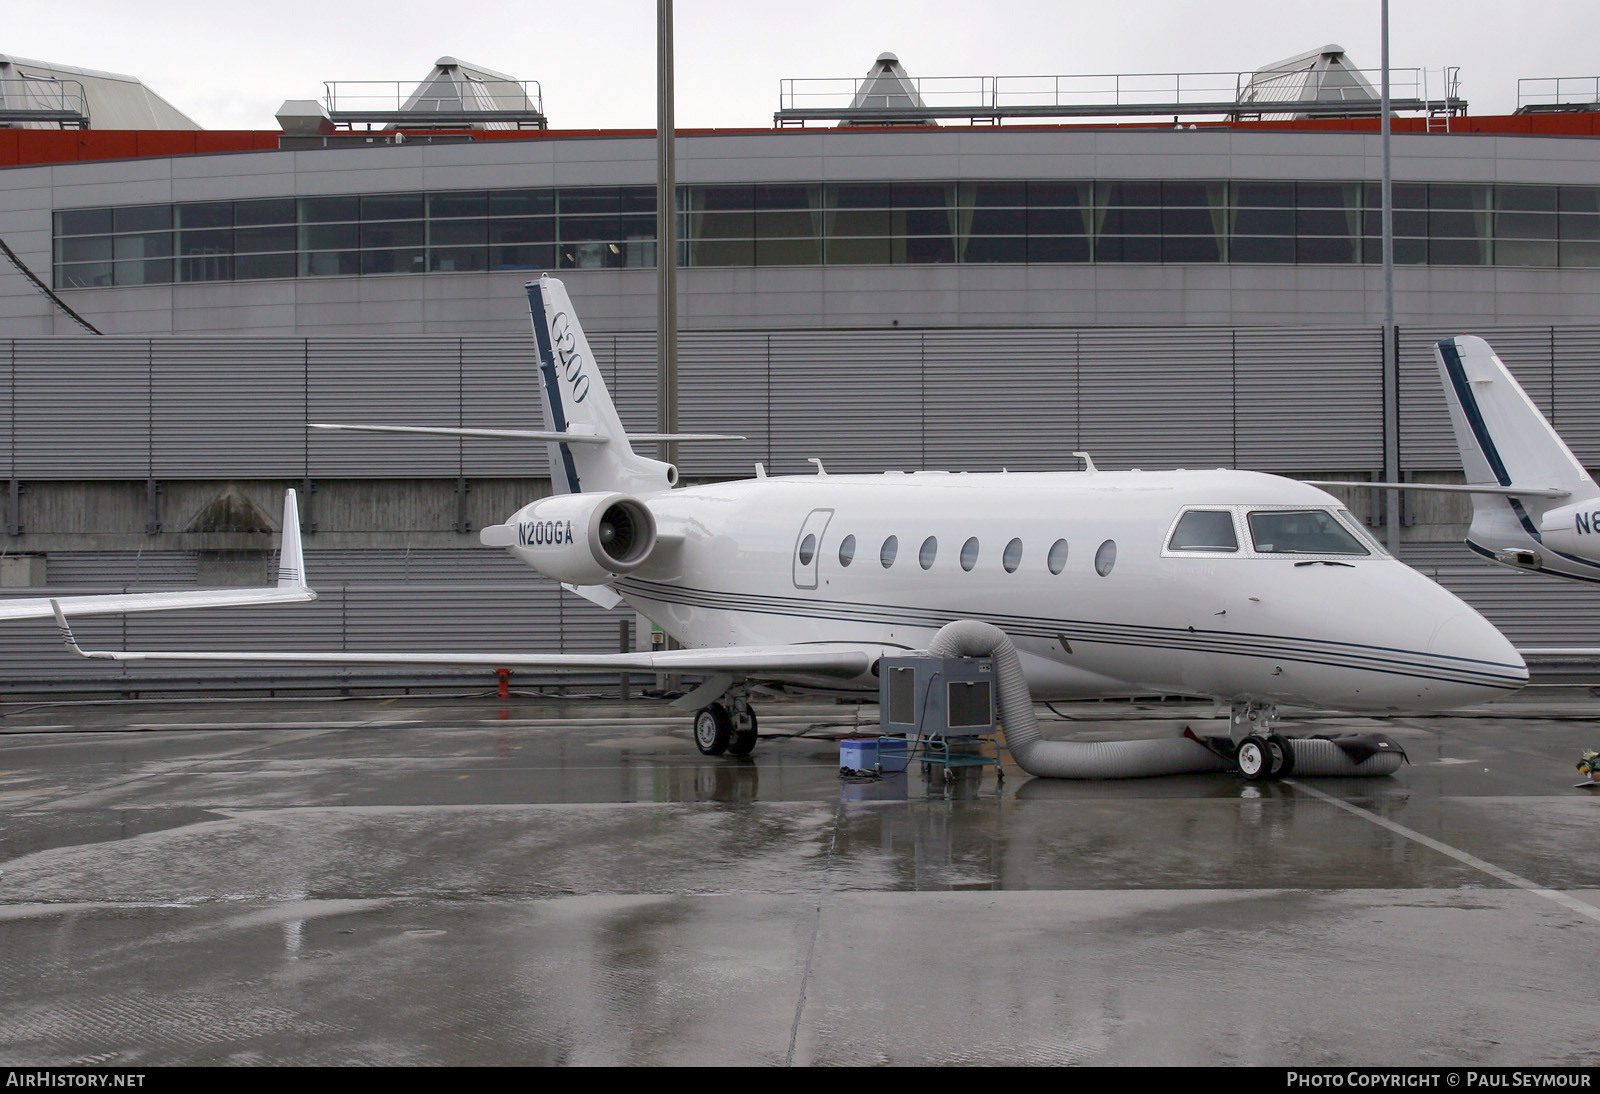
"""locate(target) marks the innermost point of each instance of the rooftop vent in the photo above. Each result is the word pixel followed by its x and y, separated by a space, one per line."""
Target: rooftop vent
pixel 43 95
pixel 455 95
pixel 1321 76
pixel 885 92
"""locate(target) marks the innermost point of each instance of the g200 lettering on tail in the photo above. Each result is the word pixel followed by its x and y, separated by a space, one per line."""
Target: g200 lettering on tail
pixel 568 359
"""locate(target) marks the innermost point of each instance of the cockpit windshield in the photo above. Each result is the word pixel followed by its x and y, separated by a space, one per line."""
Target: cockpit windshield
pixel 1302 532
pixel 1204 530
pixel 1377 548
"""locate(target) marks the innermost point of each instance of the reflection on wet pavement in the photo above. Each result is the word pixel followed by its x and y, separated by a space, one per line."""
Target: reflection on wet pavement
pixel 424 881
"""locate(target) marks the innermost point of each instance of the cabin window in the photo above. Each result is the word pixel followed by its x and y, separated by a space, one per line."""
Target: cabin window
pixel 808 549
pixel 930 548
pixel 886 555
pixel 1105 557
pixel 1012 557
pixel 1057 559
pixel 1204 530
pixel 847 550
pixel 969 553
pixel 1302 532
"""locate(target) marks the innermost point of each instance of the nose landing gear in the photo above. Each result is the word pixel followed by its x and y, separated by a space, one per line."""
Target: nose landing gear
pixel 1259 753
pixel 1269 757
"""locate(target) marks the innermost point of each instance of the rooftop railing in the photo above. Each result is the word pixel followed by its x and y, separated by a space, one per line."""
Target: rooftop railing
pixel 511 103
pixel 989 99
pixel 1558 94
pixel 33 100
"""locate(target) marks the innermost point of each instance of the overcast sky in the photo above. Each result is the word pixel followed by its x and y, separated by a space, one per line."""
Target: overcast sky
pixel 230 67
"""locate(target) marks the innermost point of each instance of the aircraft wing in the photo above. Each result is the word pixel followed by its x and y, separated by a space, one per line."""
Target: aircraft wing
pixel 32 607
pixel 290 589
pixel 843 660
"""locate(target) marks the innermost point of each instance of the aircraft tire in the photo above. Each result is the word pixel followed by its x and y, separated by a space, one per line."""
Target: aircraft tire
pixel 1254 759
pixel 713 730
pixel 744 740
pixel 1282 755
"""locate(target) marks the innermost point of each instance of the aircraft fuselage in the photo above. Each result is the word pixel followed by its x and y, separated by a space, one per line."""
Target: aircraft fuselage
pixel 1078 569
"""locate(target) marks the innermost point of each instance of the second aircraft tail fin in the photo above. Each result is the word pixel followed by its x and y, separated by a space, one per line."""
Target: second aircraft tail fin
pixel 1534 505
pixel 1544 492
pixel 1503 438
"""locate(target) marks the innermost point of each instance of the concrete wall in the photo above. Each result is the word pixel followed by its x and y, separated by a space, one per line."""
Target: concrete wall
pixel 348 514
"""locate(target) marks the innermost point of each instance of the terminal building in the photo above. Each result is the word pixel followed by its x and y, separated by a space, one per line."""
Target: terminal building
pixel 897 273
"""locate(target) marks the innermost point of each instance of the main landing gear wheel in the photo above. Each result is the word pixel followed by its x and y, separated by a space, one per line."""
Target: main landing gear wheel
pixel 744 740
pixel 713 730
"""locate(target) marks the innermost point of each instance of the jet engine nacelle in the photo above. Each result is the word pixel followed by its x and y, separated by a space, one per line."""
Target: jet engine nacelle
pixel 1573 529
pixel 581 539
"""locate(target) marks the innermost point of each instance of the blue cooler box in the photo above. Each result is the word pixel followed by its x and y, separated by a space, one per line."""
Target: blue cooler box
pixel 867 754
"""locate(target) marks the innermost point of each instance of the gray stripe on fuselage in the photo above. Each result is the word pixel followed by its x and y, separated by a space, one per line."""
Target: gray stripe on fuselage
pixel 1392 661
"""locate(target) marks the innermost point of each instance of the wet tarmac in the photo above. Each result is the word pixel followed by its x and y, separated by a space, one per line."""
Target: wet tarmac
pixel 475 881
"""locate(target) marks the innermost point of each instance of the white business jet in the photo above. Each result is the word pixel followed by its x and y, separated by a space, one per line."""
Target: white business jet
pixel 1534 506
pixel 1249 588
pixel 290 589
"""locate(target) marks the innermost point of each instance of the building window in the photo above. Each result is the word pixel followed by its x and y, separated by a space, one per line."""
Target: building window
pixel 812 224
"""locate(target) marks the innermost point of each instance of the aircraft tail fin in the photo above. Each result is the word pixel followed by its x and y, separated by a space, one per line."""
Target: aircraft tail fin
pixel 575 401
pixel 1506 442
pixel 1503 438
pixel 589 449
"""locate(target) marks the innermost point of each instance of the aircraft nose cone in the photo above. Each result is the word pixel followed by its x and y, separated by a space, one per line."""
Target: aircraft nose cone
pixel 1468 647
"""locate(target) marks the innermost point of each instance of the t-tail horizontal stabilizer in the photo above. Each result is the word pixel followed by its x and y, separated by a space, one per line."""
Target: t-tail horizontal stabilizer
pixel 571 436
pixel 589 448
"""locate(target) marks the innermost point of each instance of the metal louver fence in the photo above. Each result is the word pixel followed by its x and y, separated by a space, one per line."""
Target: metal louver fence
pixel 1270 398
pixel 1289 399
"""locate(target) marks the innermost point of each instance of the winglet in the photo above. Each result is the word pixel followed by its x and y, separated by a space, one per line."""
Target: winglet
pixel 66 631
pixel 71 642
pixel 291 555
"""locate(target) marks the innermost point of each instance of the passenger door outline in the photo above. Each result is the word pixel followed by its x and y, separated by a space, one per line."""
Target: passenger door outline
pixel 815 524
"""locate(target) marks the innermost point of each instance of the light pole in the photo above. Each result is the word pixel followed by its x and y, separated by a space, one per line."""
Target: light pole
pixel 666 241
pixel 1391 361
